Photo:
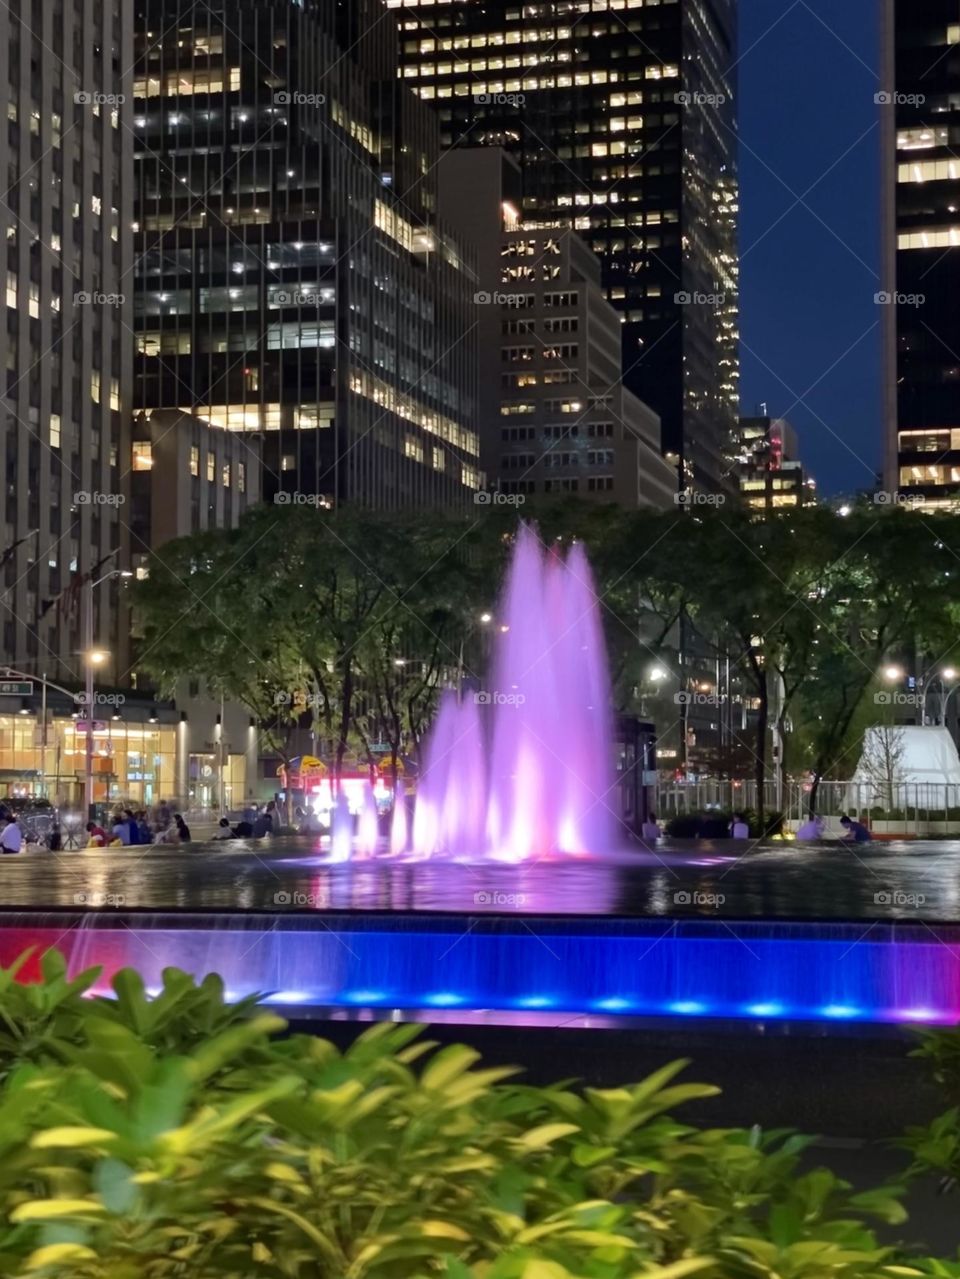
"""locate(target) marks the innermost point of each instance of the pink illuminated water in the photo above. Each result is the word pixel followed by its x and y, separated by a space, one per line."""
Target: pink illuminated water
pixel 523 768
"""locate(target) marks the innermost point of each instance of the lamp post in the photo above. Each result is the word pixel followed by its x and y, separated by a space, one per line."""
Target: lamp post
pixel 484 620
pixel 947 676
pixel 93 657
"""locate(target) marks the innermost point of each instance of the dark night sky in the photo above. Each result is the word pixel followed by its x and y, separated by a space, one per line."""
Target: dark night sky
pixel 810 334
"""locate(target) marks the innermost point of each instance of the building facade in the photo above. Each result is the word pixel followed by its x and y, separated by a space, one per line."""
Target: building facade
pixel 64 345
pixel 567 423
pixel 293 283
pixel 772 477
pixel 621 116
pixel 555 416
pixel 920 106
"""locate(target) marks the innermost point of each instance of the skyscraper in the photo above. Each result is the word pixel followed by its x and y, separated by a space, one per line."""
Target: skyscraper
pixel 555 416
pixel 771 474
pixel 621 114
pixel 293 282
pixel 65 345
pixel 920 106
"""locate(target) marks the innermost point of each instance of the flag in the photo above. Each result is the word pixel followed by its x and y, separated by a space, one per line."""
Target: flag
pixel 11 550
pixel 68 601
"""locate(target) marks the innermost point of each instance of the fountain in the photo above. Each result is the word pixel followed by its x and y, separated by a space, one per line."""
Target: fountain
pixel 523 768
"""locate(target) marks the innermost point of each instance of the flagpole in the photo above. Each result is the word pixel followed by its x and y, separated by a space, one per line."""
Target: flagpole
pixel 43 739
pixel 88 653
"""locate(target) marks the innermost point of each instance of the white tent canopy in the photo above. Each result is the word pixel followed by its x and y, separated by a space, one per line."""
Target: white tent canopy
pixel 905 764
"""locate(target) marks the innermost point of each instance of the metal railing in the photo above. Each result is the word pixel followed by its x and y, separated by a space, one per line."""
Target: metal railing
pixel 917 809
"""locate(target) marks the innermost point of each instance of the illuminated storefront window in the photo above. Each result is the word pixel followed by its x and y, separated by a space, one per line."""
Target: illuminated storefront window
pixel 134 762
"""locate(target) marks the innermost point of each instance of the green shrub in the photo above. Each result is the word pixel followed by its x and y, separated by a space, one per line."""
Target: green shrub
pixel 687 825
pixel 156 1138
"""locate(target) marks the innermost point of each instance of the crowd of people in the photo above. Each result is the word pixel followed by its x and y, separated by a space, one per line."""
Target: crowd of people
pixel 715 826
pixel 128 828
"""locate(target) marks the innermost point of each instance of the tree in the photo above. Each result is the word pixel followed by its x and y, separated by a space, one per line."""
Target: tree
pixel 301 612
pixel 884 746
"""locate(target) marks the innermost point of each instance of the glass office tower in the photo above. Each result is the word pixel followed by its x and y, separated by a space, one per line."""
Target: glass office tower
pixel 920 105
pixel 293 282
pixel 622 115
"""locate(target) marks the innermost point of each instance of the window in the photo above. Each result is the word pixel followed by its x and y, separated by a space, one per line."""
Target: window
pixel 142 455
pixel 225 475
pixel 211 468
pixel 54 430
pixel 920 139
pixel 929 171
pixel 933 239
pixel 241 477
pixel 194 460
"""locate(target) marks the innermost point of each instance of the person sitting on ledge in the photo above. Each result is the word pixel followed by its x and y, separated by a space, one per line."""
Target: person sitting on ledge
pixel 812 828
pixel 650 829
pixel 97 836
pixel 11 838
pixel 857 833
pixel 739 828
pixel 224 830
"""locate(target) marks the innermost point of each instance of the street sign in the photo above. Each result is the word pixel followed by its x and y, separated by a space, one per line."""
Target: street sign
pixel 99 726
pixel 16 688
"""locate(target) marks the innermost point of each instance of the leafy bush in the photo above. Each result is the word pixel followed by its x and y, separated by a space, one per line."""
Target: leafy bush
pixel 175 1136
pixel 687 825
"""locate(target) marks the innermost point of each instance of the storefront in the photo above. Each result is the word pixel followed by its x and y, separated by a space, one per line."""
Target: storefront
pixel 133 764
pixel 144 751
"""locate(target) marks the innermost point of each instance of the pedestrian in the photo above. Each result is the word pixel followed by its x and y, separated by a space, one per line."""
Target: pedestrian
pixel 650 830
pixel 168 835
pixel 182 828
pixel 144 835
pixel 857 833
pixel 121 830
pixel 739 828
pixel 224 830
pixel 11 837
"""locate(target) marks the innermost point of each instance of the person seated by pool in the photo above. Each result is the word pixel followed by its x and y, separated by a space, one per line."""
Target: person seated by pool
pixel 650 830
pixel 739 828
pixel 263 825
pixel 224 830
pixel 812 828
pixel 857 833
pixel 97 835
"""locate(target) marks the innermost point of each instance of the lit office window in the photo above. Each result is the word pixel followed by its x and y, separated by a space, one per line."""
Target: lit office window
pixel 142 459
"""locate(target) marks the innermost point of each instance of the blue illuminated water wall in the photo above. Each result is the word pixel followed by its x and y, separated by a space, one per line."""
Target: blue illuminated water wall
pixel 824 972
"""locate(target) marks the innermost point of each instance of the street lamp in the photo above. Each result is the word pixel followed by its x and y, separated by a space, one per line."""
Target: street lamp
pixel 93 657
pixel 658 674
pixel 893 673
